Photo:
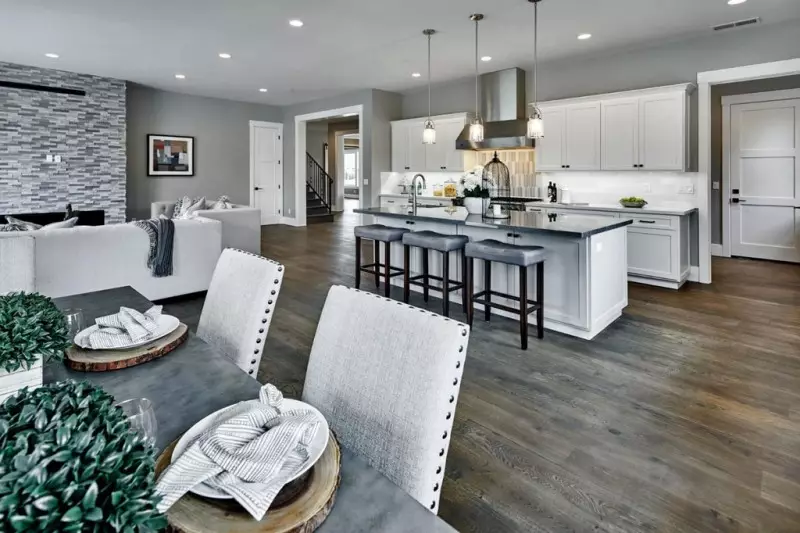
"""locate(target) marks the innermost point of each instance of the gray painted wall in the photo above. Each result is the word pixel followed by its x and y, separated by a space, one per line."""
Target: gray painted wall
pixel 317 137
pixel 88 132
pixel 221 129
pixel 664 64
pixel 380 108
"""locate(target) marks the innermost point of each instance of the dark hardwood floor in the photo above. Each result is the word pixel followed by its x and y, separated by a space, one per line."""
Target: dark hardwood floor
pixel 683 416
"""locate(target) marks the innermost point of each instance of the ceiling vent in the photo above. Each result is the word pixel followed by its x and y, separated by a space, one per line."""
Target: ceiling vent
pixel 737 24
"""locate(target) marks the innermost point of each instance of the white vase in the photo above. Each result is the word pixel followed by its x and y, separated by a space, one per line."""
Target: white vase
pixel 474 205
pixel 11 382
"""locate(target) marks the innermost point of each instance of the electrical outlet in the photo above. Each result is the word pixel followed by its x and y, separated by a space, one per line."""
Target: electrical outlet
pixel 715 185
pixel 57 159
pixel 686 189
pixel 289 212
pixel 48 158
pixel 647 187
pixel 366 181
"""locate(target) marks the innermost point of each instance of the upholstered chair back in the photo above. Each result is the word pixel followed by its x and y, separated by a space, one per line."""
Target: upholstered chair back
pixel 17 263
pixel 386 376
pixel 240 305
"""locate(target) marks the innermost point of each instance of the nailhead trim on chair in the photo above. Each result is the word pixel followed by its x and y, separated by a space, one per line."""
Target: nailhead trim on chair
pixel 264 320
pixel 449 415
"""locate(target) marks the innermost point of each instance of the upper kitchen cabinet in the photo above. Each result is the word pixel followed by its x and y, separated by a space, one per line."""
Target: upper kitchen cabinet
pixel 572 137
pixel 634 130
pixel 410 155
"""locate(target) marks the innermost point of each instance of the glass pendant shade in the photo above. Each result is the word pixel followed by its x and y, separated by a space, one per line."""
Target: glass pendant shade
pixel 535 125
pixel 476 130
pixel 429 133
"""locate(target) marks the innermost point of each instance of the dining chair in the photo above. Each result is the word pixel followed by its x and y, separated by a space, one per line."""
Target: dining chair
pixel 239 306
pixel 17 263
pixel 386 376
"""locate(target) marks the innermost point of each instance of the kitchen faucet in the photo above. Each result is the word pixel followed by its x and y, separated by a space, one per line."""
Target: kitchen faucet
pixel 414 192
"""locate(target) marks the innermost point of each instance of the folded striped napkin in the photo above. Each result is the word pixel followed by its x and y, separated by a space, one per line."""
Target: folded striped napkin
pixel 250 451
pixel 119 330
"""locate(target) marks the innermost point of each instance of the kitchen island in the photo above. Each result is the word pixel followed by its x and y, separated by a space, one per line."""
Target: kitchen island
pixel 586 269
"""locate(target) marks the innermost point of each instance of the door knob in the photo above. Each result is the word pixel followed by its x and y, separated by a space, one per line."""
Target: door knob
pixel 257 189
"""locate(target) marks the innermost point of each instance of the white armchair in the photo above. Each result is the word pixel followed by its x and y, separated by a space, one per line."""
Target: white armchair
pixel 17 263
pixel 241 226
pixel 386 376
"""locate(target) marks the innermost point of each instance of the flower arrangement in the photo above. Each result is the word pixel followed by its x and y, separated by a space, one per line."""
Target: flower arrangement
pixel 69 462
pixel 471 184
pixel 31 329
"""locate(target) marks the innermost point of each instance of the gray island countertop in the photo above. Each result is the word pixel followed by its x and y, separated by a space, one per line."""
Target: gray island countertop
pixel 568 225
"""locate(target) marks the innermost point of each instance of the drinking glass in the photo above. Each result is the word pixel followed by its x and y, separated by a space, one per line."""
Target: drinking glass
pixel 75 323
pixel 142 418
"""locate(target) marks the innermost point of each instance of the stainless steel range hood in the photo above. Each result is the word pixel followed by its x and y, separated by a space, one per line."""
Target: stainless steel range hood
pixel 504 112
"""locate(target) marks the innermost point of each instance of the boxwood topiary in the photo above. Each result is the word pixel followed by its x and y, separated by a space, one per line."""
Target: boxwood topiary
pixel 70 462
pixel 31 326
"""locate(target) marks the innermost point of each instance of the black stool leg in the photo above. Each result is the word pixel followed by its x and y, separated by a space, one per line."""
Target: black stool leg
pixel 540 300
pixel 446 283
pixel 358 262
pixel 523 306
pixel 406 270
pixel 469 289
pixel 487 286
pixel 387 258
pixel 464 280
pixel 425 280
pixel 377 256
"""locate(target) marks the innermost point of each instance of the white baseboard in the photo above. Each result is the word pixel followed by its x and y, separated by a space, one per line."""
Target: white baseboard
pixel 716 249
pixel 694 274
pixel 290 222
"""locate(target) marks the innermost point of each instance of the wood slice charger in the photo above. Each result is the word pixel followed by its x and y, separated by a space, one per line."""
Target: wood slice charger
pixel 104 360
pixel 300 507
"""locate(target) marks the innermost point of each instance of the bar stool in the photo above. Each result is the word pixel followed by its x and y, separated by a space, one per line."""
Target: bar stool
pixel 509 254
pixel 379 234
pixel 430 240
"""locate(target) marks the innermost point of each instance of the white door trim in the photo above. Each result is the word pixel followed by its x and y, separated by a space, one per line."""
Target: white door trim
pixel 727 102
pixel 300 155
pixel 705 80
pixel 261 124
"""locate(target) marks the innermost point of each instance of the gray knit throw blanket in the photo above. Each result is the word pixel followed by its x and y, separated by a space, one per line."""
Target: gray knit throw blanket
pixel 161 232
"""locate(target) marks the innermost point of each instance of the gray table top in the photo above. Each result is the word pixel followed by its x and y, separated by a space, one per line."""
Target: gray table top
pixel 567 225
pixel 194 381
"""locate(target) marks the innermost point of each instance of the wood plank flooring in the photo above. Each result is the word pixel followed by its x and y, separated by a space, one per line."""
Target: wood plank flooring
pixel 683 416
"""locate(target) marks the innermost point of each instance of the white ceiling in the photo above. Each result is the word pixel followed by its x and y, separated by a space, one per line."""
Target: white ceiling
pixel 344 45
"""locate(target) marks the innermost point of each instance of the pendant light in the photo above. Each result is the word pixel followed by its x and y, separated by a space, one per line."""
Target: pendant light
pixel 476 127
pixel 429 133
pixel 535 122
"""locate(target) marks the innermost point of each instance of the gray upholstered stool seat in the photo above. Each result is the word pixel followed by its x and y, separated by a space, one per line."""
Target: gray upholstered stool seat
pixel 379 232
pixel 435 241
pixel 502 252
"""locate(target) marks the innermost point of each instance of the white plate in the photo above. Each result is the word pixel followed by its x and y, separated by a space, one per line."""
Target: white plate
pixel 166 325
pixel 318 445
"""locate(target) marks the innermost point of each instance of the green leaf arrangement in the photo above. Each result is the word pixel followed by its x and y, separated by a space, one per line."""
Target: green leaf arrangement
pixel 31 326
pixel 70 463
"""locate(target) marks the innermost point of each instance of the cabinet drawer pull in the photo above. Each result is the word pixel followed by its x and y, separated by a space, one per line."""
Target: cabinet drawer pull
pixel 409 222
pixel 509 234
pixel 647 222
pixel 389 201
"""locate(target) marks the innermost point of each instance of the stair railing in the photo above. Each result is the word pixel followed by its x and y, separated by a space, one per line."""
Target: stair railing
pixel 319 181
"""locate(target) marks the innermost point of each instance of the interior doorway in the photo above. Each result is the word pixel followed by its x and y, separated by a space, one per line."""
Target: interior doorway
pixel 761 174
pixel 348 158
pixel 266 170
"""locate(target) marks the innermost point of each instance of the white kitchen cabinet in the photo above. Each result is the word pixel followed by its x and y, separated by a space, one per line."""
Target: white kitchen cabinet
pixel 410 155
pixel 394 201
pixel 620 134
pixel 550 149
pixel 582 139
pixel 651 253
pixel 663 131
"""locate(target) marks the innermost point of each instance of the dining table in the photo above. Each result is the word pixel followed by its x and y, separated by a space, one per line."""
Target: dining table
pixel 196 380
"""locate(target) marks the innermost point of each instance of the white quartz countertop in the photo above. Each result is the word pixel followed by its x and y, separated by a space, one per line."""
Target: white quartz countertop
pixel 651 209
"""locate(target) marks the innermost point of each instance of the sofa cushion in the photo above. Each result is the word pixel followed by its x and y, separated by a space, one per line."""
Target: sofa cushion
pixel 29 226
pixel 69 223
pixel 188 207
pixel 223 202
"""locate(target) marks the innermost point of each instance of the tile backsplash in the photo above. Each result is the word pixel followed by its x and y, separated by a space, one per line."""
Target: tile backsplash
pixel 658 188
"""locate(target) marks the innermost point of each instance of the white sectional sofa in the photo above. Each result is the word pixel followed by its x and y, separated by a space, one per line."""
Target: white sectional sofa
pixel 241 225
pixel 62 262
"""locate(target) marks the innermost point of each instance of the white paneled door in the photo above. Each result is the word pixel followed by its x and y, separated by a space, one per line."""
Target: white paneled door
pixel 765 180
pixel 266 171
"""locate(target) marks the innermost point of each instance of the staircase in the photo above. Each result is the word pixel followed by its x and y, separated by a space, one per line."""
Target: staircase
pixel 319 192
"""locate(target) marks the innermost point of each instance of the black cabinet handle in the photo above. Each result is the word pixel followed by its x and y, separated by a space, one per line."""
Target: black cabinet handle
pixel 647 222
pixel 409 222
pixel 509 234
pixel 517 235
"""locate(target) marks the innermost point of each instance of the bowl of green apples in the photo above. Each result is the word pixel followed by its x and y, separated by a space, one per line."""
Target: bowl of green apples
pixel 633 201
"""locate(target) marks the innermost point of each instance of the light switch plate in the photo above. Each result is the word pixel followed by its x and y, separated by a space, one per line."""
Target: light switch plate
pixel 686 189
pixel 647 187
pixel 366 181
pixel 715 185
pixel 57 159
pixel 48 158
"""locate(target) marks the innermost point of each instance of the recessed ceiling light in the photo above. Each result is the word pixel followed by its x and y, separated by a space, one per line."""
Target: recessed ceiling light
pixel 350 114
pixel 584 36
pixel 486 58
pixel 51 55
pixel 416 75
pixel 263 90
pixel 223 55
pixel 180 76
pixel 296 23
pixel 735 2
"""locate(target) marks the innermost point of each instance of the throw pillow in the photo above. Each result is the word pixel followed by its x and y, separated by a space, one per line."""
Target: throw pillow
pixel 223 202
pixel 29 226
pixel 69 223
pixel 12 227
pixel 187 207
